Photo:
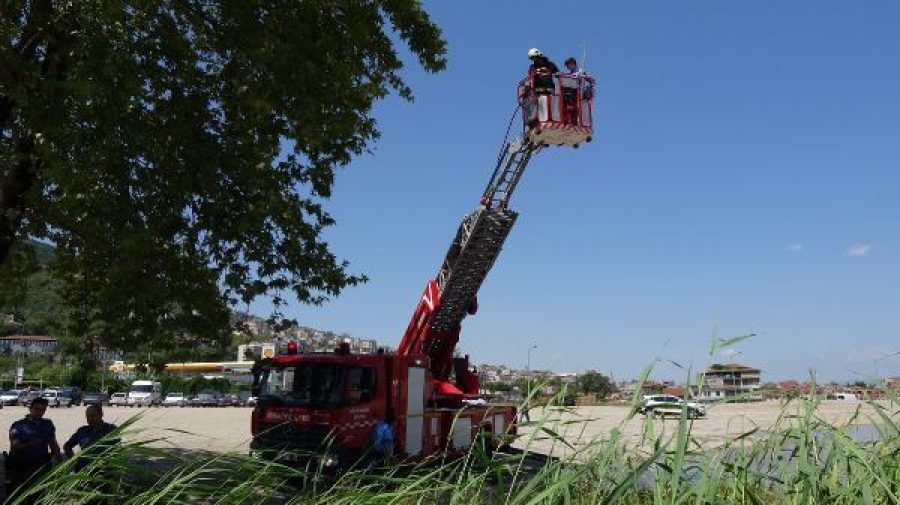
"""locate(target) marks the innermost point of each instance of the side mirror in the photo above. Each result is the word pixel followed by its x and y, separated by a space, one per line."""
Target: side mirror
pixel 258 368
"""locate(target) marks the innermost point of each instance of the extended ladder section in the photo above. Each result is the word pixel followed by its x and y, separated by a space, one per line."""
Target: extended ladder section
pixel 480 238
pixel 508 172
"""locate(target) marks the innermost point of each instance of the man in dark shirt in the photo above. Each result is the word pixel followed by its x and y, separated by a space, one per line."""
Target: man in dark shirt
pixel 32 444
pixel 94 430
pixel 542 71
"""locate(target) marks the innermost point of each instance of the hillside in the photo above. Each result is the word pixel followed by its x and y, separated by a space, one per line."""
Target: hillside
pixel 29 299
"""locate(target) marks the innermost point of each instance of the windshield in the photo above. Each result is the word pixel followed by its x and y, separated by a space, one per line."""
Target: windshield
pixel 140 388
pixel 311 384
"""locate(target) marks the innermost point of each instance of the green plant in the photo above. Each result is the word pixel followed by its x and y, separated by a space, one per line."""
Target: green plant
pixel 803 459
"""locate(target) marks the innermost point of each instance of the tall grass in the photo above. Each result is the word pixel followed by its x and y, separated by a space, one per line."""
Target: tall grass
pixel 802 460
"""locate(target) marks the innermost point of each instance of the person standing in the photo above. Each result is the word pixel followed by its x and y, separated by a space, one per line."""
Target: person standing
pixel 32 445
pixel 383 439
pixel 571 84
pixel 94 430
pixel 541 71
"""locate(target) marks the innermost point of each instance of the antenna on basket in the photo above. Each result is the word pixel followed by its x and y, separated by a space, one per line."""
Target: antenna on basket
pixel 583 59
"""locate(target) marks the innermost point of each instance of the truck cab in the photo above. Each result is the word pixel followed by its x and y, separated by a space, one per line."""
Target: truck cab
pixel 323 407
pixel 318 403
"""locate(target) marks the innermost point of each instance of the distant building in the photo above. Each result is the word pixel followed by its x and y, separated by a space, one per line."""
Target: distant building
pixel 107 355
pixel 723 381
pixel 31 344
pixel 893 384
pixel 674 391
pixel 255 350
pixel 647 387
pixel 364 345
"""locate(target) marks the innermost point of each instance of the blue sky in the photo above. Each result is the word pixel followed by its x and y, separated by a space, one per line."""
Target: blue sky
pixel 744 177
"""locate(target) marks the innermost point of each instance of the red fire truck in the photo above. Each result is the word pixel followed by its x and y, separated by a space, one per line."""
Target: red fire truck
pixel 327 404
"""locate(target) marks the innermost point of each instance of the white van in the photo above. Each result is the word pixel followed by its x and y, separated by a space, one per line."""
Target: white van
pixel 144 394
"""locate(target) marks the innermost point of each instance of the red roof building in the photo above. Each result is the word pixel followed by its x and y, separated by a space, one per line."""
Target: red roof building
pixel 41 344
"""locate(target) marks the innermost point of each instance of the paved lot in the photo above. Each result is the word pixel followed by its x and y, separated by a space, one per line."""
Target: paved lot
pixel 226 429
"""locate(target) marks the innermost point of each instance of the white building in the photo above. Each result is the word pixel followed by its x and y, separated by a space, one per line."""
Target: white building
pixel 256 349
pixel 31 344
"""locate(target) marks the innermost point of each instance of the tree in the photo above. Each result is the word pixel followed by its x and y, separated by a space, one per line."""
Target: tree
pixel 179 154
pixel 592 382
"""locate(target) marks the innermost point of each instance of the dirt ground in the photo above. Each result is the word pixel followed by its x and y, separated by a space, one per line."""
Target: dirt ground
pixel 228 429
pixel 210 429
pixel 722 422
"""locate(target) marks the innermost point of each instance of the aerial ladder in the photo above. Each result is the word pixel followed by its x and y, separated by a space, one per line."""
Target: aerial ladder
pixel 562 117
pixel 327 404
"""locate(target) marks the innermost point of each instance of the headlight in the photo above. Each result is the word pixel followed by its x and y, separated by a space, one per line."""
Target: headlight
pixel 329 461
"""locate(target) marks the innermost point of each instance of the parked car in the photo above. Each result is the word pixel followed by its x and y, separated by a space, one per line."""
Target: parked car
pixel 668 405
pixel 74 393
pixel 95 398
pixel 207 398
pixel 55 398
pixel 230 400
pixel 12 397
pixel 175 400
pixel 145 393
pixel 118 400
pixel 475 401
pixel 251 402
pixel 28 396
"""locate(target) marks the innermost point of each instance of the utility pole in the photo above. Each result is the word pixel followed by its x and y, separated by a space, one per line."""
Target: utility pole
pixel 21 327
pixel 528 370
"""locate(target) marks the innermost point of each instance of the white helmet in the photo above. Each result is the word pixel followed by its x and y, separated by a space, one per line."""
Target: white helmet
pixel 533 52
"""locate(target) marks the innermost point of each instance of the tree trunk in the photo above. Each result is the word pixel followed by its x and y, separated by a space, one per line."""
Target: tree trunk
pixel 42 28
pixel 15 184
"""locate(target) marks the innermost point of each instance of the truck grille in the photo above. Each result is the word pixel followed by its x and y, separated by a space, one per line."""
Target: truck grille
pixel 291 436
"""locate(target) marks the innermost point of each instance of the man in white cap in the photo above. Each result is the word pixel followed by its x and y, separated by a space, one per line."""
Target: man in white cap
pixel 542 71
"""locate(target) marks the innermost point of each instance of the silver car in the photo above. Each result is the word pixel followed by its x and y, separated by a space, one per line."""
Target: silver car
pixel 118 400
pixel 175 400
pixel 669 405
pixel 11 397
pixel 56 399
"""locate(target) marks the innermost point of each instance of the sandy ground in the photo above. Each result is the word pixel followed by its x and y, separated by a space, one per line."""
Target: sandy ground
pixel 722 422
pixel 227 429
pixel 210 429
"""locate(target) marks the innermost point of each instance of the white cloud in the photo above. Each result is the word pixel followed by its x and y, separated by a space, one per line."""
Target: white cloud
pixel 795 247
pixel 859 250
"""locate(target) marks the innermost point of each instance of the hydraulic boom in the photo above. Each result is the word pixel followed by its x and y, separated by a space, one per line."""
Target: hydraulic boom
pixel 435 326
